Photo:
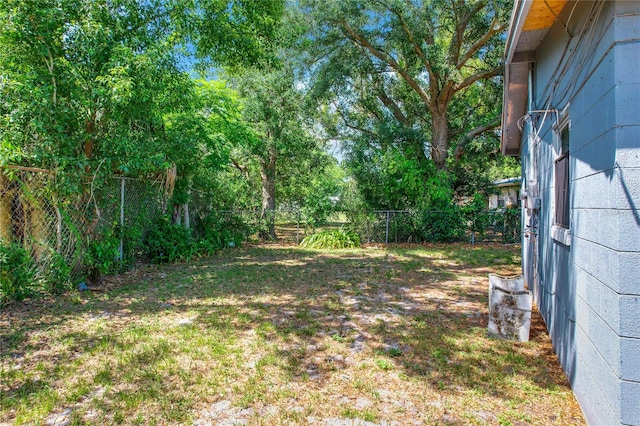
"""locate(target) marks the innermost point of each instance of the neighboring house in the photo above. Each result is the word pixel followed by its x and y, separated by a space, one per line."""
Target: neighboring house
pixel 508 193
pixel 572 112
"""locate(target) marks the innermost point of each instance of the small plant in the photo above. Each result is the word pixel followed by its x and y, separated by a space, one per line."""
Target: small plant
pixel 352 413
pixel 57 277
pixel 384 364
pixel 332 239
pixel 17 273
pixel 102 256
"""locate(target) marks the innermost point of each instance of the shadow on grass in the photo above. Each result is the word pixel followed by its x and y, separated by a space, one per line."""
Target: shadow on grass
pixel 420 311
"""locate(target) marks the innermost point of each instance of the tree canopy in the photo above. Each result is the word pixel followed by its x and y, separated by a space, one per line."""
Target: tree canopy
pixel 410 89
pixel 408 62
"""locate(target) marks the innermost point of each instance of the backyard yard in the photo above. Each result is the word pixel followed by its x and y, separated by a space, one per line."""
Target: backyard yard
pixel 276 335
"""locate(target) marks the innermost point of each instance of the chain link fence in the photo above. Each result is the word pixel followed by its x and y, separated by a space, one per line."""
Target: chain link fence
pixel 51 240
pixel 384 226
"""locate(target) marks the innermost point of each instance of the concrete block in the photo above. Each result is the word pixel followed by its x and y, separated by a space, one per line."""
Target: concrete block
pixel 627 7
pixel 628 145
pixel 595 406
pixel 591 115
pixel 605 342
pixel 601 299
pixel 629 313
pixel 596 365
pixel 625 193
pixel 627 27
pixel 630 402
pixel 584 284
pixel 627 62
pixel 581 250
pixel 627 266
pixel 626 109
pixel 604 265
pixel 630 361
pixel 563 339
pixel 599 155
pixel 627 230
pixel 582 224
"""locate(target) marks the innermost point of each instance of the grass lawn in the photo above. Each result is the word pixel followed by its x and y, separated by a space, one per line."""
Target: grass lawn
pixel 273 335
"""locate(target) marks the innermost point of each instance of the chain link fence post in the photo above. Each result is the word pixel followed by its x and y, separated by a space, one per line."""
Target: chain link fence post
pixel 121 246
pixel 386 232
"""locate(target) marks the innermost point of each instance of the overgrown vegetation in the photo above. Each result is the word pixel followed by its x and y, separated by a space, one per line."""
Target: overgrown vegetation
pixel 17 273
pixel 95 89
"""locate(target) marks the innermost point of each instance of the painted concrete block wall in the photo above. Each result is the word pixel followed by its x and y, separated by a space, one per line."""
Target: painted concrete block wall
pixel 589 292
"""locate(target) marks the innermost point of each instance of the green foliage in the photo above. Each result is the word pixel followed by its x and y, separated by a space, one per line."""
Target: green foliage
pixel 511 226
pixel 57 276
pixel 476 214
pixel 101 257
pixel 167 242
pixel 17 273
pixel 332 239
pixel 133 239
pixel 223 230
pixel 443 225
pixel 235 33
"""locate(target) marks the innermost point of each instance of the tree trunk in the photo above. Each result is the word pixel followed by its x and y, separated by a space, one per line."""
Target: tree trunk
pixel 187 219
pixel 268 177
pixel 439 137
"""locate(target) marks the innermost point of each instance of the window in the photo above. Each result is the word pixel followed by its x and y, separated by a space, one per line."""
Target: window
pixel 562 217
pixel 562 179
pixel 500 202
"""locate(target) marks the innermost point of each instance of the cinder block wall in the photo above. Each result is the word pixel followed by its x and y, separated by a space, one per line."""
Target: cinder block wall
pixel 589 291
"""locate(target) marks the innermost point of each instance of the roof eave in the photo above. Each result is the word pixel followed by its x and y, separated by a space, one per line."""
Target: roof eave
pixel 519 53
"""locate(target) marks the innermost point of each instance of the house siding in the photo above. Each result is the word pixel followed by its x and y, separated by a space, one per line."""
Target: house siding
pixel 589 292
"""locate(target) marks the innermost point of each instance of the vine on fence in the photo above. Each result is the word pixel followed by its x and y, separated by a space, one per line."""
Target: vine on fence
pixel 50 241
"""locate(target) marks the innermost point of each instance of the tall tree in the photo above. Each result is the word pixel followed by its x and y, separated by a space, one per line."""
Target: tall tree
pixel 273 110
pixel 87 83
pixel 407 62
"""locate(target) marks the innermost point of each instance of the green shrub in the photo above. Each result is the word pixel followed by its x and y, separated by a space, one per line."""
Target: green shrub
pixel 441 226
pixel 57 276
pixel 17 273
pixel 167 242
pixel 102 256
pixel 511 229
pixel 477 216
pixel 220 230
pixel 132 241
pixel 332 239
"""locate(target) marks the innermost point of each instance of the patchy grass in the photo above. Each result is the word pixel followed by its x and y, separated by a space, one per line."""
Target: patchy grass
pixel 284 335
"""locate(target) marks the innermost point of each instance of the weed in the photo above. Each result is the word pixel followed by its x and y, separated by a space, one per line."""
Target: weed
pixel 338 338
pixel 352 413
pixel 17 273
pixel 384 364
pixel 395 352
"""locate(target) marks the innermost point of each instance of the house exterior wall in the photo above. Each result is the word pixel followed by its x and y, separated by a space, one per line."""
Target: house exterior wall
pixel 587 283
pixel 508 194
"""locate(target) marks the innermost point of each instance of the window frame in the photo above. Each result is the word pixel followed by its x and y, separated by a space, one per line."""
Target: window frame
pixel 561 228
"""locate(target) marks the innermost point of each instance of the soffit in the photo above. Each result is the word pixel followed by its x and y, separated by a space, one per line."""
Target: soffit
pixel 530 22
